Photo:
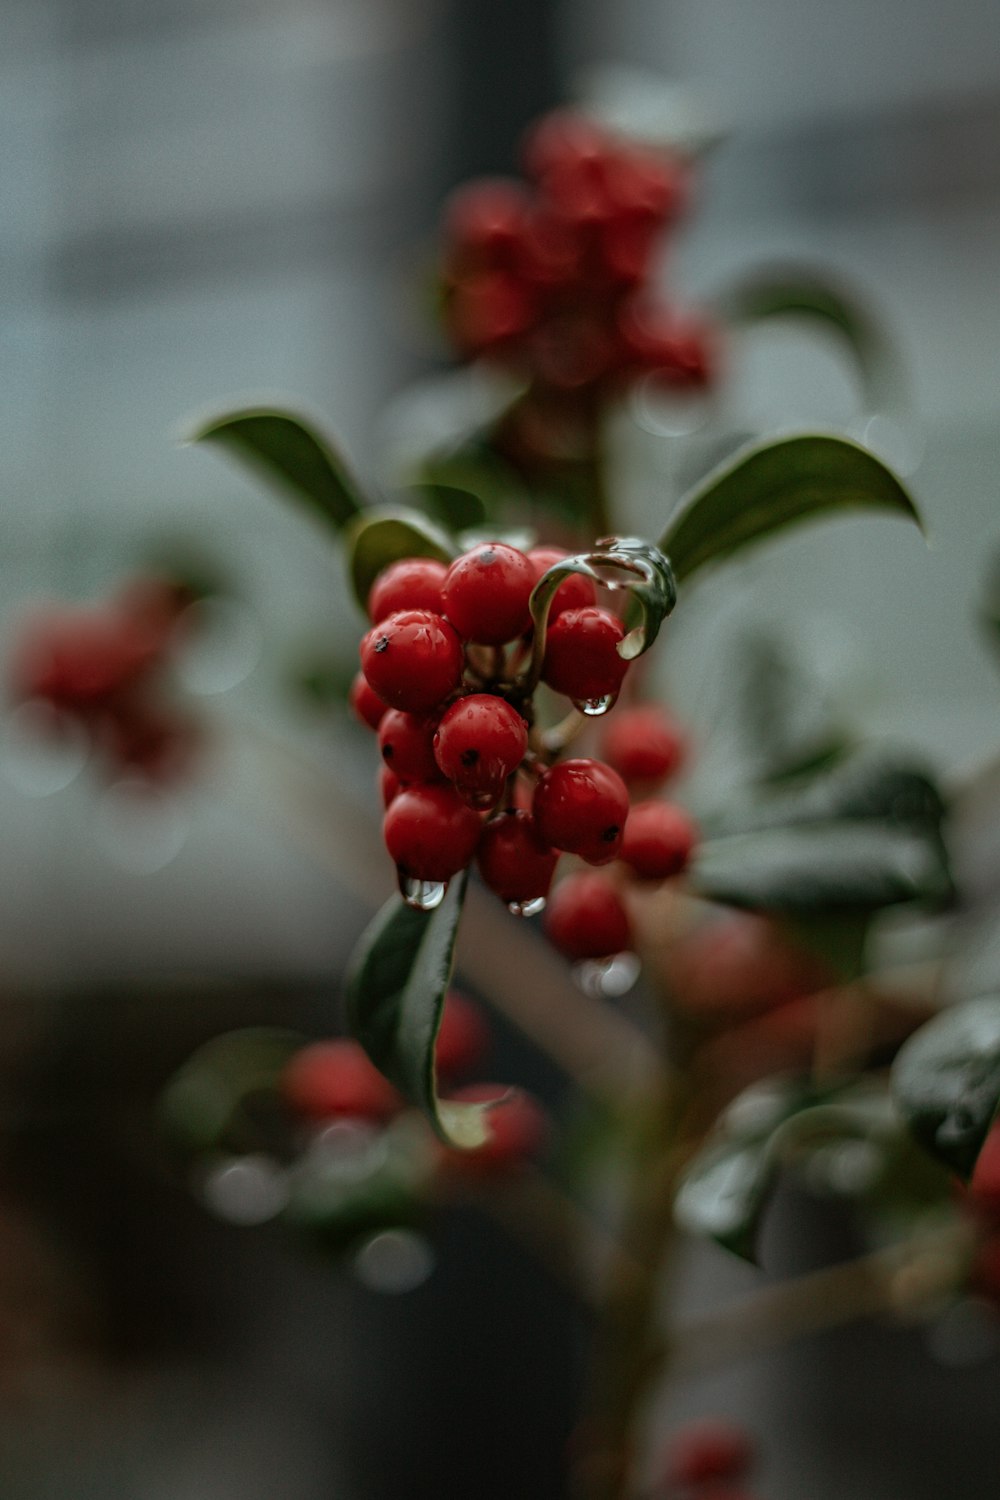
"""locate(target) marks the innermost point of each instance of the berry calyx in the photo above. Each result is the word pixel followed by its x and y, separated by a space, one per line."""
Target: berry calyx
pixel 410 583
pixel 581 806
pixel 336 1078
pixel 479 742
pixel 643 744
pixel 430 832
pixel 514 860
pixel 659 839
pixel 581 655
pixel 485 594
pixel 412 659
pixel 586 917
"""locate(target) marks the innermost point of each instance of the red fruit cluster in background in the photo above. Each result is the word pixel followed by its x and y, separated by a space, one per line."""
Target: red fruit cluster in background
pixel 103 665
pixel 551 277
pixel 708 1459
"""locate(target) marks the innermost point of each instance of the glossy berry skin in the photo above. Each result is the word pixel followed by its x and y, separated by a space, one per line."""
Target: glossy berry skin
pixel 479 742
pixel 406 744
pixel 486 593
pixel 514 860
pixel 463 1038
pixel 659 839
pixel 581 806
pixel 517 1126
pixel 410 583
pixel 643 744
pixel 413 660
pixel 430 832
pixel 335 1079
pixel 389 785
pixel 576 591
pixel 586 917
pixel 708 1452
pixel 581 654
pixel 365 703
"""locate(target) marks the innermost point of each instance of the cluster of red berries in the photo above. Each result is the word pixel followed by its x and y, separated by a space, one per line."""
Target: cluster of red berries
pixel 710 1459
pixel 330 1081
pixel 550 277
pixel 982 1199
pixel 466 775
pixel 103 666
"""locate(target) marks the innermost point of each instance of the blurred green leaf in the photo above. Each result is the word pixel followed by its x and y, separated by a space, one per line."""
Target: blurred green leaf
pixel 803 293
pixel 387 535
pixel 286 448
pixel 204 1106
pixel 771 486
pixel 457 509
pixel 396 984
pixel 946 1081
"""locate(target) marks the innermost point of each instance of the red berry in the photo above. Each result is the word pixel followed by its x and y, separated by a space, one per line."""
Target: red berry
pixel 586 917
pixel 406 744
pixel 576 590
pixel 705 1451
pixel 984 1187
pixel 581 655
pixel 412 660
pixel 559 141
pixel 739 964
pixel 581 806
pixel 430 832
pixel 365 702
pixel 486 593
pixel 517 1131
pixel 336 1078
pixel 514 860
pixel 484 222
pixel 487 311
pixel 659 838
pixel 643 744
pixel 410 583
pixel 479 742
pixel 389 785
pixel 463 1037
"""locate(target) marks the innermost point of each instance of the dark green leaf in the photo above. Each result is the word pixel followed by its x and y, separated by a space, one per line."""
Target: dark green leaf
pixel 784 724
pixel 773 485
pixel 204 1105
pixel 384 1189
pixel 396 985
pixel 809 867
pixel 457 509
pixel 385 536
pixel 798 292
pixel 620 563
pixel 946 1080
pixel 290 451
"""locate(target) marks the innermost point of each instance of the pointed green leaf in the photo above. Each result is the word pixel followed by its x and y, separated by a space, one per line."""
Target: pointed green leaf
pixel 946 1081
pixel 801 293
pixel 773 485
pixel 386 535
pixel 458 509
pixel 810 867
pixel 396 984
pixel 291 452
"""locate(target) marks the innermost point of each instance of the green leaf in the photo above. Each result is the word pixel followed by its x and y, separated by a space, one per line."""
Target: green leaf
pixel 784 724
pixel 396 985
pixel 204 1106
pixel 773 485
pixel 624 563
pixel 808 868
pixel 385 536
pixel 289 451
pixel 946 1081
pixel 385 1189
pixel 457 508
pixel 801 293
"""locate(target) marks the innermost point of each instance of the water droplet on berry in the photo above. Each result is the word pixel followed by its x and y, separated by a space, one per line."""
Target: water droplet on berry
pixel 527 908
pixel 422 895
pixel 481 801
pixel 595 707
pixel 607 978
pixel 43 749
